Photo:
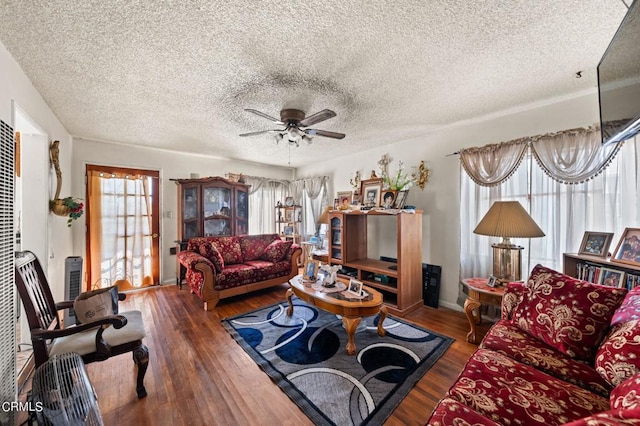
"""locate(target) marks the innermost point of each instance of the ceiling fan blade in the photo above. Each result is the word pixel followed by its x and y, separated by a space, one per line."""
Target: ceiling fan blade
pixel 263 115
pixel 260 132
pixel 325 133
pixel 325 114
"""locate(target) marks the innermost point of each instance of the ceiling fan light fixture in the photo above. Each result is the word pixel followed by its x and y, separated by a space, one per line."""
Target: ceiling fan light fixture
pixel 279 137
pixel 308 139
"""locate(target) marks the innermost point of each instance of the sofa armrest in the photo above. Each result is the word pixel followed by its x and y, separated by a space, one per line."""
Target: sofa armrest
pixel 513 294
pixel 189 259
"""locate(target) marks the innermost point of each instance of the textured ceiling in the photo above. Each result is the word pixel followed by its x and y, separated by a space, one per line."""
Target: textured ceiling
pixel 177 74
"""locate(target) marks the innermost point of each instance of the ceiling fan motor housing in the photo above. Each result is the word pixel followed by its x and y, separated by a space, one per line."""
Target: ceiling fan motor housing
pixel 291 116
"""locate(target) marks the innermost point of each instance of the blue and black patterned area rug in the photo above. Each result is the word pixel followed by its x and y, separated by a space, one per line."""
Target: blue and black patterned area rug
pixel 305 355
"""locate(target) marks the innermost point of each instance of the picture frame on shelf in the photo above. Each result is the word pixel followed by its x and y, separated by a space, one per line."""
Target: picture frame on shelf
pixel 371 190
pixel 388 198
pixel 628 248
pixel 288 231
pixel 492 281
pixel 288 202
pixel 596 243
pixel 310 270
pixel 344 199
pixel 401 199
pixel 611 277
pixel 355 287
pixel 289 215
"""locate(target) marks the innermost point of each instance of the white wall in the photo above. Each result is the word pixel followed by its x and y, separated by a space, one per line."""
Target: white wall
pixel 16 87
pixel 440 200
pixel 172 165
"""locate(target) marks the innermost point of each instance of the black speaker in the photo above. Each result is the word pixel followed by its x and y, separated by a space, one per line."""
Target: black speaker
pixel 431 284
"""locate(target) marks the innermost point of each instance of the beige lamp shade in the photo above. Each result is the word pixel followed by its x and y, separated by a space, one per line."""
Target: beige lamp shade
pixel 508 219
pixel 324 217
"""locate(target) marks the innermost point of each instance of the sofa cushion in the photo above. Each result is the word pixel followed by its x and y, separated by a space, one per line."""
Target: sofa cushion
pixel 609 418
pixel 500 388
pixel 509 340
pixel 253 245
pixel 208 249
pixel 451 412
pixel 568 314
pixel 229 248
pixel 618 357
pixel 627 394
pixel 276 251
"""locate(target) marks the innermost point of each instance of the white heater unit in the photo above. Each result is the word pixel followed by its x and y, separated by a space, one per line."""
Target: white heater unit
pixel 72 285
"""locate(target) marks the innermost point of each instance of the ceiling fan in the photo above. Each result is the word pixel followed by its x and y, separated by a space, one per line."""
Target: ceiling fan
pixel 295 126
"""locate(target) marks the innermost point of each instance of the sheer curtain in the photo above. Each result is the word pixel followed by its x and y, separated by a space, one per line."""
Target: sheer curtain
pixel 314 201
pixel 606 203
pixel 264 194
pixel 120 229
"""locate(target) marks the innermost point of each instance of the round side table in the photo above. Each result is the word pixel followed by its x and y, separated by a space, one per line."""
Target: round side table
pixel 478 293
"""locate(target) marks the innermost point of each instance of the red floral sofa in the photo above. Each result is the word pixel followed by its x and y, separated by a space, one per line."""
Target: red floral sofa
pixel 564 352
pixel 221 267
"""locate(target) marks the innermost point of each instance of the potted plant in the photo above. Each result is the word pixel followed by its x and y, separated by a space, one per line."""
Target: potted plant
pixel 69 206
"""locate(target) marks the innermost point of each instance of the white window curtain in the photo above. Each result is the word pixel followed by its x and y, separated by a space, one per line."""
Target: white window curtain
pixel 120 209
pixel 264 194
pixel 314 201
pixel 607 202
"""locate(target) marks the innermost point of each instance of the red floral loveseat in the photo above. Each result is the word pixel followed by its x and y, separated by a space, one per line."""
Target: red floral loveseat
pixel 220 267
pixel 564 352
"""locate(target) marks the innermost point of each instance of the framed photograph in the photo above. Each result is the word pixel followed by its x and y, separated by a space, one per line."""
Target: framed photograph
pixel 289 215
pixel 371 190
pixel 611 277
pixel 493 281
pixel 355 287
pixel 628 249
pixel 401 199
pixel 288 201
pixel 344 199
pixel 288 230
pixel 388 198
pixel 310 269
pixel 596 243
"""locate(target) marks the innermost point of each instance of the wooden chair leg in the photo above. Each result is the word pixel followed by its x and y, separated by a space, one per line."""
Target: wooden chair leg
pixel 141 358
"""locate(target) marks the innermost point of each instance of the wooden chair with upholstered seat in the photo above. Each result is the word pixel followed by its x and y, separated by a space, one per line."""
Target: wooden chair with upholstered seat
pixel 94 341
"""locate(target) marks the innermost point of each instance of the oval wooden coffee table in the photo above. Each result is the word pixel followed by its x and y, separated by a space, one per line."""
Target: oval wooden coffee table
pixel 351 310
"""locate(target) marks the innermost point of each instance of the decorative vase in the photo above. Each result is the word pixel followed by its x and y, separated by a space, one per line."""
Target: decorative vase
pixel 59 209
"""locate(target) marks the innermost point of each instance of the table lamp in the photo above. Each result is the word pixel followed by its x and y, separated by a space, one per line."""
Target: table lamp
pixel 507 219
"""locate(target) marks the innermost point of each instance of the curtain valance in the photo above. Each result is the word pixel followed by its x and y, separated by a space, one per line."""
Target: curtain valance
pixel 570 157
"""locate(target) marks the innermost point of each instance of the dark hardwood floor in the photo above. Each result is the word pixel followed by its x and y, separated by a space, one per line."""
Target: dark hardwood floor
pixel 198 375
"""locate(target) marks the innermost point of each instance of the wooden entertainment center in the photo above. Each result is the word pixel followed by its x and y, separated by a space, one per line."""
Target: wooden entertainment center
pixel 400 283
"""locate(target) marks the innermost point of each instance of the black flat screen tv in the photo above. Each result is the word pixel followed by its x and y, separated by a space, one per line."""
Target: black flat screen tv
pixel 619 81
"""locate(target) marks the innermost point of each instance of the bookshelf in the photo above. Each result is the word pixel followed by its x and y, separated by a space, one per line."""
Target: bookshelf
pixel 400 283
pixel 600 270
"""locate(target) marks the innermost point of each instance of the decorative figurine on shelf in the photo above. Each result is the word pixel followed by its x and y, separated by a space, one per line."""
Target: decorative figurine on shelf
pixel 332 274
pixel 355 182
pixel 373 175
